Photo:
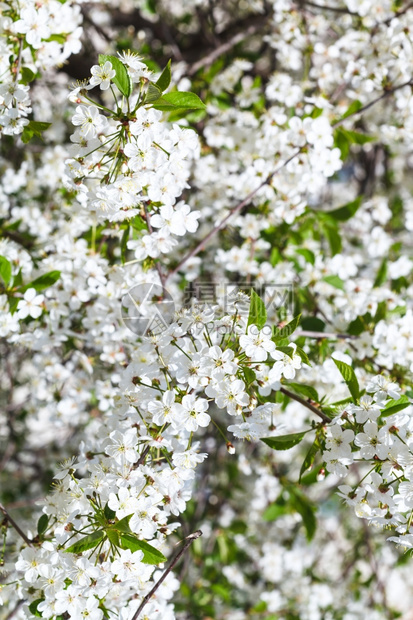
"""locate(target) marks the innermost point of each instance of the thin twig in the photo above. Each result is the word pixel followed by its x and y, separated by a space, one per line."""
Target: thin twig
pixel 96 27
pixel 142 457
pixel 223 49
pixel 269 178
pixel 309 406
pixel 14 524
pixel 324 7
pixel 187 542
pixel 232 212
pixel 19 62
pixel 310 334
pixel 387 21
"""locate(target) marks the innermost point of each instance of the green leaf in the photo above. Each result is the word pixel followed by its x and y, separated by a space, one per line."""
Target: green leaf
pixel 354 107
pixel 288 329
pixel 26 75
pixel 151 555
pixel 5 270
pixel 356 137
pixel 138 223
pixel 286 350
pixel 349 377
pixel 306 510
pixel 304 357
pixel 356 327
pixel 283 442
pixel 33 607
pixel 305 390
pixel 113 537
pixel 59 38
pixel 258 313
pixel 249 375
pixel 312 476
pixel 333 238
pixel 87 542
pixel 122 525
pixel 334 281
pixel 42 524
pixel 34 128
pixel 124 244
pixel 44 281
pixel 381 276
pixel 277 509
pixel 179 100
pixel 312 324
pixel 109 513
pixel 165 78
pixel 308 255
pixel 153 93
pixel 395 406
pixel 121 79
pixel 309 458
pixel 347 211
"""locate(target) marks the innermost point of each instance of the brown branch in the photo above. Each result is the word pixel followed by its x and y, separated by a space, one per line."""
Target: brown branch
pixel 305 403
pixel 14 524
pixel 223 49
pixel 268 180
pixel 310 334
pixel 188 541
pixel 232 212
pixel 387 21
pixel 324 7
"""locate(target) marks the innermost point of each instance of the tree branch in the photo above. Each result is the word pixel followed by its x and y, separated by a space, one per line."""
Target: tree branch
pixel 16 527
pixel 305 403
pixel 324 7
pixel 188 541
pixel 268 180
pixel 223 49
pixel 310 334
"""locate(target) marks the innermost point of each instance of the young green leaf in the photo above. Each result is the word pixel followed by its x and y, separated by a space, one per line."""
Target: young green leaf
pixel 122 525
pixel 109 513
pixel 33 607
pixel 309 458
pixel 304 357
pixel 287 330
pixel 26 75
pixel 5 270
pixel 349 377
pixel 305 390
pixel 113 537
pixel 334 281
pixel 347 211
pixel 34 128
pixel 258 313
pixel 151 555
pixel 165 78
pixel 121 79
pixel 87 542
pixel 306 510
pixel 42 524
pixel 153 93
pixel 284 442
pixel 179 100
pixel 277 509
pixel 381 276
pixel 44 281
pixel 396 405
